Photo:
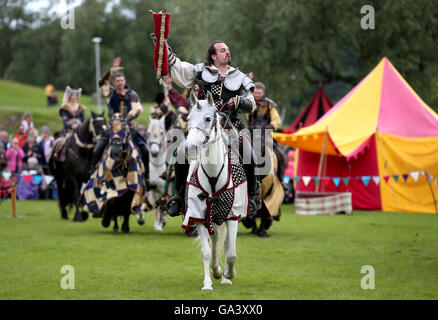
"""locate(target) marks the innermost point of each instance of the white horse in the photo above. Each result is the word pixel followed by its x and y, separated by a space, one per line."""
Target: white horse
pixel 157 145
pixel 216 190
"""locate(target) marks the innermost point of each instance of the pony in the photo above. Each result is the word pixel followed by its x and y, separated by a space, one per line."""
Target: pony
pixel 272 191
pixel 117 187
pixel 216 194
pixel 70 162
pixel 157 145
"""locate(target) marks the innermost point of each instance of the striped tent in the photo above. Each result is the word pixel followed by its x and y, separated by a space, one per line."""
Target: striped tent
pixel 379 132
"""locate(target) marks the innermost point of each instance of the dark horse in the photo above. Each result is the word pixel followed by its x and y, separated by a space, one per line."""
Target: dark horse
pixel 271 187
pixel 123 160
pixel 74 170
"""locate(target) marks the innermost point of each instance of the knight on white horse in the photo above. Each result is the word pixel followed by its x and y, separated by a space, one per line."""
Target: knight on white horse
pixel 216 194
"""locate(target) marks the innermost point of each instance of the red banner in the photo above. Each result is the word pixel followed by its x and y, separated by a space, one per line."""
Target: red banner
pixel 161 30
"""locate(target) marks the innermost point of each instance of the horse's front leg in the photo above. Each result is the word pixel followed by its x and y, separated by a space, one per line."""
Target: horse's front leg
pixel 125 224
pixel 215 253
pixel 230 251
pixel 206 255
pixel 78 216
pixel 116 225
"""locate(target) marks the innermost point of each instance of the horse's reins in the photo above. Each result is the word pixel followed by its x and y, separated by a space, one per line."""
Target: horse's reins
pixel 91 129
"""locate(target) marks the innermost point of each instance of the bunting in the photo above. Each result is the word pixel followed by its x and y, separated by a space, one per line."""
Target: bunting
pixel 366 179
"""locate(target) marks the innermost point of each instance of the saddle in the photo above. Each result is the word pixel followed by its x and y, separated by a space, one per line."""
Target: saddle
pixel 60 147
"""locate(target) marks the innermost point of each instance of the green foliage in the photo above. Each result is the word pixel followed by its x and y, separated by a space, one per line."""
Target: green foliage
pixel 291 46
pixel 305 257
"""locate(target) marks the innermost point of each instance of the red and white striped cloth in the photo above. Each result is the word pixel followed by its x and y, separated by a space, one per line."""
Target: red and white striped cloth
pixel 324 203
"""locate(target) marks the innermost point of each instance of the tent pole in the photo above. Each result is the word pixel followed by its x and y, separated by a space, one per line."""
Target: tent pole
pixel 321 158
pixel 433 195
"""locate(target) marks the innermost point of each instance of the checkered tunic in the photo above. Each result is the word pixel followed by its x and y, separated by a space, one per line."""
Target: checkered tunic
pixel 112 179
pixel 229 203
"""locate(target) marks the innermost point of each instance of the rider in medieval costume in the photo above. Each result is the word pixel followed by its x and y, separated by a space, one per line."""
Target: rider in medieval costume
pixel 268 110
pixel 120 99
pixel 71 112
pixel 232 93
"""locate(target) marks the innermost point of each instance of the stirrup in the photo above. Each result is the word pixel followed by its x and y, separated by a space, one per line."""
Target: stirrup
pixel 173 206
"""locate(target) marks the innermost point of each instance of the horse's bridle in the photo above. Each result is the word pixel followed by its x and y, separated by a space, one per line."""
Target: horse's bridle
pixel 91 129
pixel 212 180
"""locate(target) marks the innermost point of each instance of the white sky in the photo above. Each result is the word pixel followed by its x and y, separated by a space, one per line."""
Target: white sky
pixel 60 8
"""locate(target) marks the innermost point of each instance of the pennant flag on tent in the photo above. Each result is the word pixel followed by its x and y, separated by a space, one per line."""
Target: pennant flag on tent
pixel 48 179
pixel 405 177
pixel 27 178
pixel 316 179
pixel 366 180
pixel 346 180
pixel 38 179
pixel 326 181
pixel 415 175
pixel 297 179
pixel 376 180
pixel 306 180
pixel 336 181
pixel 396 177
pixel 6 175
pixel 386 178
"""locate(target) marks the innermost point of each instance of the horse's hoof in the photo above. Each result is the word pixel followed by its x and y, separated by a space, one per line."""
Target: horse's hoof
pixel 84 215
pixel 230 276
pixel 217 273
pixel 78 219
pixel 207 288
pixel 115 229
pixel 64 217
pixel 226 281
pixel 140 221
pixel 262 233
pixel 158 228
pixel 105 223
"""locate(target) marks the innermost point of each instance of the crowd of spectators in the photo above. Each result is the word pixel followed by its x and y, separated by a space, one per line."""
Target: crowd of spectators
pixel 24 156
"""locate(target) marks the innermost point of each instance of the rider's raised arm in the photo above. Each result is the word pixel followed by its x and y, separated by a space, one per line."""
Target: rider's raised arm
pixel 183 73
pixel 136 107
pixel 104 83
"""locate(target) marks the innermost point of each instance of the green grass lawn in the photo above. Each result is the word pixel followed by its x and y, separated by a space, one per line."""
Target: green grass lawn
pixel 17 99
pixel 305 257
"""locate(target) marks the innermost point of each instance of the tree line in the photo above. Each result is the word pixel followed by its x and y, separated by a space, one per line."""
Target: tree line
pixel 292 46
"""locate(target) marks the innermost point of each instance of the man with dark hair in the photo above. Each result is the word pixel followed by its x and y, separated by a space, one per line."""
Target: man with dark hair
pixel 265 107
pixel 268 110
pixel 231 90
pixel 120 99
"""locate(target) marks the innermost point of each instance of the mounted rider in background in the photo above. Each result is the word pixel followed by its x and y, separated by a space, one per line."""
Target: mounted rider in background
pixel 120 99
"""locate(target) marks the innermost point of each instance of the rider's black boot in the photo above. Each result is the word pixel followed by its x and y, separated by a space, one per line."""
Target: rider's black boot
pixel 98 149
pixel 175 205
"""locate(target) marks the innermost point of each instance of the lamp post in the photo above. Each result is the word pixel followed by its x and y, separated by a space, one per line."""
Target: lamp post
pixel 97 41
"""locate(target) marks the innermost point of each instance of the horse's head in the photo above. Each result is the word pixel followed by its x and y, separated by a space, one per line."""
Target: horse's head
pixel 201 123
pixel 119 137
pixel 97 124
pixel 156 135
